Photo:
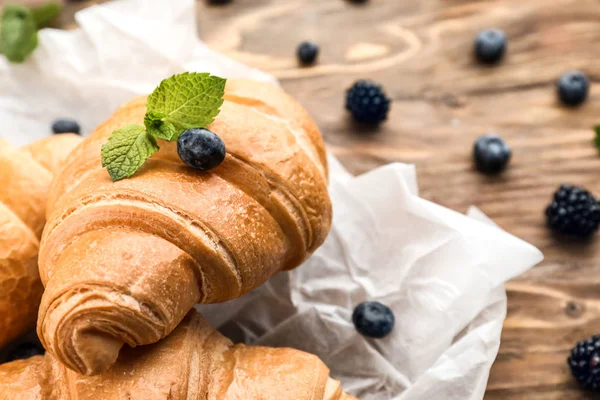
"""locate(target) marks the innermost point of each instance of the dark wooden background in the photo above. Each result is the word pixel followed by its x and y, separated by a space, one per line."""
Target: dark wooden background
pixel 421 51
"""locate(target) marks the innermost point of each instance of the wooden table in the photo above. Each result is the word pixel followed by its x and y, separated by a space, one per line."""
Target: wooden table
pixel 421 51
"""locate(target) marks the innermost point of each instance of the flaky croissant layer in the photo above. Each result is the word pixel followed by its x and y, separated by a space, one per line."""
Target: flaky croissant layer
pixel 195 362
pixel 25 176
pixel 123 262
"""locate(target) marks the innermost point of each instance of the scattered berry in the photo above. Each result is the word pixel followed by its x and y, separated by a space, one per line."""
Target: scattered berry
pixel 367 102
pixel 573 211
pixel 373 319
pixel 24 350
pixel 219 2
pixel 491 154
pixel 490 46
pixel 585 363
pixel 65 126
pixel 201 149
pixel 307 53
pixel 573 88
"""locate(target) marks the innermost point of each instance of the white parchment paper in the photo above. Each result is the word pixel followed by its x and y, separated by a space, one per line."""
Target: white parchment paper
pixel 441 272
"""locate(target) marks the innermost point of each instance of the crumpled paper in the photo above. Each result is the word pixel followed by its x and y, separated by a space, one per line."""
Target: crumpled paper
pixel 123 49
pixel 441 272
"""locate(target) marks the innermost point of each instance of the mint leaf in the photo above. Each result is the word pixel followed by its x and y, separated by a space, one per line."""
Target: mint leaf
pixel 163 130
pixel 153 117
pixel 188 100
pixel 597 138
pixel 159 128
pixel 44 14
pixel 127 150
pixel 18 33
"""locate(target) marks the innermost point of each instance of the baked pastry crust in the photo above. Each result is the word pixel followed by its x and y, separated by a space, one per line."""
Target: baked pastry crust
pixel 195 362
pixel 25 176
pixel 124 262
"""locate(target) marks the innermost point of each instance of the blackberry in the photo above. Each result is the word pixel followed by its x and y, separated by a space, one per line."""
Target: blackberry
pixel 573 88
pixel 574 211
pixel 490 46
pixel 585 363
pixel 373 319
pixel 307 53
pixel 367 102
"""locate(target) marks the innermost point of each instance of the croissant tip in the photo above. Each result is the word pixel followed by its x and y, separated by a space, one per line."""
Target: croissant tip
pixel 96 352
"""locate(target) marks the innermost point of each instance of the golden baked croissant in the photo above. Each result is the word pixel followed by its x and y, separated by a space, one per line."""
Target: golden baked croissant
pixel 124 262
pixel 195 362
pixel 25 176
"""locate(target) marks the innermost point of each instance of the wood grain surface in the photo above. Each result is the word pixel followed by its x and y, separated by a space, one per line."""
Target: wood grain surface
pixel 421 51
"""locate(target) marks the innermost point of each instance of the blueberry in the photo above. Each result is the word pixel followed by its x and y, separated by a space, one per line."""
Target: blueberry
pixel 373 319
pixel 24 350
pixel 66 126
pixel 201 149
pixel 573 88
pixel 307 53
pixel 491 154
pixel 490 46
pixel 219 2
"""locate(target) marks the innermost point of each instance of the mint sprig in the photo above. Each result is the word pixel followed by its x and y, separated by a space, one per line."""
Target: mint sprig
pixel 184 101
pixel 18 33
pixel 19 26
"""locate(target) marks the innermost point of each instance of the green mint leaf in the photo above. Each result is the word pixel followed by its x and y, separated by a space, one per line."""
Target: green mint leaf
pixel 159 128
pixel 44 14
pixel 127 150
pixel 597 138
pixel 164 130
pixel 153 117
pixel 188 100
pixel 18 33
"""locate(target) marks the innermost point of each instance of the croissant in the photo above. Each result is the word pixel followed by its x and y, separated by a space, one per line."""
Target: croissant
pixel 124 262
pixel 25 176
pixel 195 362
